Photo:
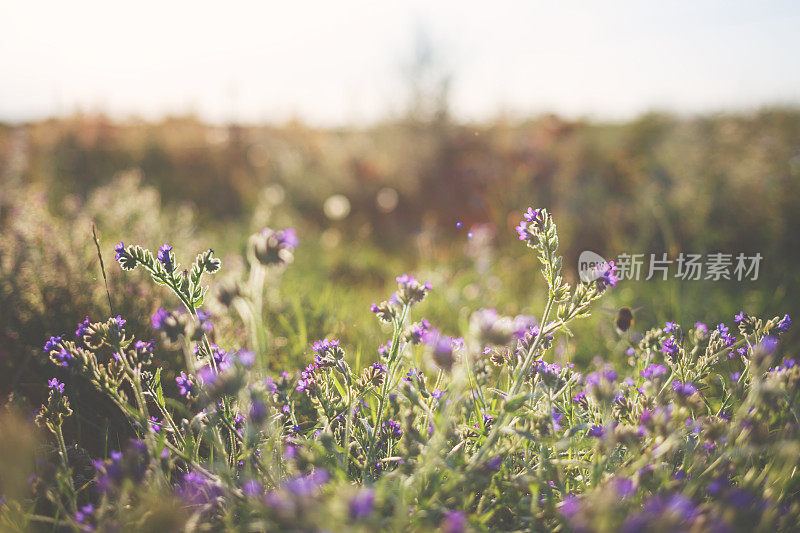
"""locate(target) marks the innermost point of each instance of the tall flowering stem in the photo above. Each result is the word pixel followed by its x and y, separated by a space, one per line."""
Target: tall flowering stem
pixel 393 364
pixel 186 285
pixel 538 231
pixel 395 311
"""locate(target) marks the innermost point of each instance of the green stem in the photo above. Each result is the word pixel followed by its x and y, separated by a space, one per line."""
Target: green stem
pixel 62 452
pixel 519 376
pixel 394 362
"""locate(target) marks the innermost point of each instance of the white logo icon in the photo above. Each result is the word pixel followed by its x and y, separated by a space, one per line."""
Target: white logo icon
pixel 588 265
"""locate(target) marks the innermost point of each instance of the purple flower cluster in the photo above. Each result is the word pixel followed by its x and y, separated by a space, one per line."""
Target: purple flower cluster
pixel 119 321
pixel 84 515
pixel 306 485
pixel 328 352
pixel 596 431
pixel 274 247
pixel 597 379
pixel 165 257
pixel 410 291
pixel 606 275
pixel 62 357
pixel 417 330
pixel 82 328
pixel 725 335
pixel 143 348
pixel 654 371
pixel 55 385
pixel 669 347
pixel 442 348
pixel 132 465
pixel 196 489
pixel 673 512
pixel 158 318
pixel 549 372
pixel 528 338
pixel 391 429
pixel 384 350
pixel 528 227
pixel 684 389
pixel 185 385
pixel 454 522
pixel 52 344
pixel 557 418
pixel 362 504
pixel 414 376
pixel 308 379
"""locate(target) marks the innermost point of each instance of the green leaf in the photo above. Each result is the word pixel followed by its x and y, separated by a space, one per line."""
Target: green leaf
pixel 339 387
pixel 156 385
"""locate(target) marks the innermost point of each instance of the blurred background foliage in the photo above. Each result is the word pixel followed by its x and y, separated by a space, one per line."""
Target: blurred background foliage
pixel 374 202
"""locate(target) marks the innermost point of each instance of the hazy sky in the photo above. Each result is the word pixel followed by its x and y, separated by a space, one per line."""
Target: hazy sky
pixel 336 62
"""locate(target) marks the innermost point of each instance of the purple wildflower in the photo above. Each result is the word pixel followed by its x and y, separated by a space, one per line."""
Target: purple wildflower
pixel 85 513
pixel 306 485
pixel 416 331
pixel 606 275
pixel 328 352
pixel 197 490
pixel 56 385
pixel 185 385
pixel 63 357
pixel 392 429
pixel 653 371
pixel 454 522
pixel 684 389
pixel 595 379
pixel 580 398
pixel 527 228
pixel 410 290
pixel 157 320
pixel 252 488
pixel 442 348
pixel 82 328
pixel 596 431
pixel 674 513
pixel 165 257
pixel 550 372
pixel 52 344
pixel 724 334
pixel 768 344
pixel 557 418
pixel 362 504
pixel 247 358
pixel 624 487
pixel 669 347
pixel 308 379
